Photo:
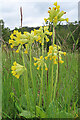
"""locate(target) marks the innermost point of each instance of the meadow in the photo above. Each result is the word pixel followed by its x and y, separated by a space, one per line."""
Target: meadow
pixel 39 73
pixel 13 93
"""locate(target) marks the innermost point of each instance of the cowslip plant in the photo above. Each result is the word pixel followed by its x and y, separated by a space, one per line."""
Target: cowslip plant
pixel 54 55
pixel 42 33
pixel 17 69
pixel 55 15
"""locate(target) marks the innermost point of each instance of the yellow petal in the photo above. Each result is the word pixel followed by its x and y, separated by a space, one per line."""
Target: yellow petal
pixel 46 68
pixel 55 4
pixel 37 68
pixel 17 51
pixel 15 63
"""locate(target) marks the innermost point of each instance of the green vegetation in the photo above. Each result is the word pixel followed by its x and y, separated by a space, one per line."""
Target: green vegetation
pixel 62 34
pixel 40 70
pixel 14 99
pixel 0 82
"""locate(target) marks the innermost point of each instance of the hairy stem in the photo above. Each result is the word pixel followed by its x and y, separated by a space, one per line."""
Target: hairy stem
pixel 26 84
pixel 32 77
pixel 41 88
pixel 52 67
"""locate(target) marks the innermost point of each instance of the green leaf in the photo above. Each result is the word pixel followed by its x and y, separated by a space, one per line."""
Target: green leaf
pixel 52 110
pixel 18 107
pixel 40 112
pixel 31 100
pixel 23 101
pixel 77 41
pixel 27 114
pixel 64 114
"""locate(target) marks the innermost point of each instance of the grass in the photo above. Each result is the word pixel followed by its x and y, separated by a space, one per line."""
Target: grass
pixel 13 93
pixel 0 82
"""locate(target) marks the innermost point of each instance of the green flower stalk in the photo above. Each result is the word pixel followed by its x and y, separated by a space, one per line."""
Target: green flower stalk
pixel 32 77
pixel 40 99
pixel 52 65
pixel 26 85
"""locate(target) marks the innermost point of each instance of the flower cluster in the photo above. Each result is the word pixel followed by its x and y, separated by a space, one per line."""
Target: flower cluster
pixel 54 54
pixel 17 69
pixel 55 15
pixel 40 62
pixel 42 33
pixel 18 39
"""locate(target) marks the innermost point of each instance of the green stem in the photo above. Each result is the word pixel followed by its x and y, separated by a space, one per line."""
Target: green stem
pixel 32 77
pixel 26 84
pixel 55 83
pixel 52 67
pixel 41 88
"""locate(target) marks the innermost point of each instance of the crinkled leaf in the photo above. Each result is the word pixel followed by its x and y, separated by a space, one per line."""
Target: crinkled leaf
pixel 64 114
pixel 51 111
pixel 18 107
pixel 40 112
pixel 27 114
pixel 23 102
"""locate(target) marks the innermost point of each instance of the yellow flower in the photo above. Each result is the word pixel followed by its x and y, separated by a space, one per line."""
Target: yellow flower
pixel 17 51
pixel 17 69
pixel 55 45
pixel 64 53
pixel 50 33
pixel 11 41
pixel 46 58
pixel 54 57
pixel 17 76
pixel 25 51
pixel 39 37
pixel 34 58
pixel 11 36
pixel 41 57
pixel 55 62
pixel 51 47
pixel 25 33
pixel 46 68
pixel 57 7
pixel 34 31
pixel 45 19
pixel 13 72
pixel 50 58
pixel 42 44
pixel 37 68
pixel 35 64
pixel 61 61
pixel 15 63
pixel 12 46
pixel 47 40
pixel 13 68
pixel 37 40
pixel 40 41
pixel 55 4
pixel 55 18
pixel 15 31
pixel 67 19
pixel 55 11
